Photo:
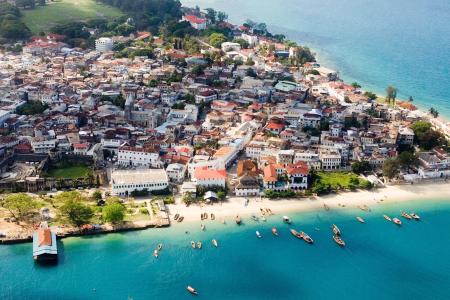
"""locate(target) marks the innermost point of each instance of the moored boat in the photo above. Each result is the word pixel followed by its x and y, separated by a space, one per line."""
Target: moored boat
pixel 286 220
pixel 214 242
pixel 361 220
pixel 176 217
pixel 336 230
pixel 296 234
pixel 180 219
pixel 406 216
pixel 199 245
pixel 193 244
pixel 339 240
pixel 307 238
pixel 238 220
pixel 160 247
pixel 397 221
pixel 155 253
pixel 387 218
pixel 213 217
pixel 415 216
pixel 44 245
pixel 258 234
pixel 191 290
pixel 254 218
pixel 274 231
pixel 203 227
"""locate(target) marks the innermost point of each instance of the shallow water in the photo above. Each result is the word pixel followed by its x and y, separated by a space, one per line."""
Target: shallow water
pixel 381 260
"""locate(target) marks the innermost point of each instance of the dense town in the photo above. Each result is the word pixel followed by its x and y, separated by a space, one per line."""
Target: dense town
pixel 201 119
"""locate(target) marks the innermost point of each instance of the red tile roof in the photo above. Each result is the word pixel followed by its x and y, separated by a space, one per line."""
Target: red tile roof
pixel 205 173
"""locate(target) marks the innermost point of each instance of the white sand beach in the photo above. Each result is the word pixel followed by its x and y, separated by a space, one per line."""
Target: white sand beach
pixel 235 205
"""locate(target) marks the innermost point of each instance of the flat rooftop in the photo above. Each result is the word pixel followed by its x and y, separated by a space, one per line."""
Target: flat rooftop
pixel 138 176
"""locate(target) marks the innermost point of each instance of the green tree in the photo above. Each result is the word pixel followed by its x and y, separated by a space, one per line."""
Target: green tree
pixel 360 167
pixel 408 159
pixel 391 168
pixel 221 16
pixel 434 112
pixel 221 195
pixel 97 196
pixel 391 94
pixel 356 85
pixel 216 39
pixel 20 205
pixel 211 15
pixel 370 95
pixel 113 212
pixel 187 198
pixel 244 44
pixel 74 209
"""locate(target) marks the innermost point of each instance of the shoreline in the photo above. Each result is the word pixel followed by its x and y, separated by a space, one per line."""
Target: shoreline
pixel 343 200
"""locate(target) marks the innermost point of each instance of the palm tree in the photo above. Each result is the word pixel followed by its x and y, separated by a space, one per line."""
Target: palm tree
pixel 391 94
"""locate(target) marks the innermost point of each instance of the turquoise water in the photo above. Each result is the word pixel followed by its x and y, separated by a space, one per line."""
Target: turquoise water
pixel 377 43
pixel 381 261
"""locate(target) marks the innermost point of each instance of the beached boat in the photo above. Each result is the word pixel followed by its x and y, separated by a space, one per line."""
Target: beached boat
pixel 397 221
pixel 406 216
pixel 296 234
pixel 286 220
pixel 255 218
pixel 274 231
pixel 415 216
pixel 193 244
pixel 191 290
pixel 213 217
pixel 205 216
pixel 306 238
pixel 238 220
pixel 326 207
pixel 336 230
pixel 199 245
pixel 202 217
pixel 269 211
pixel 203 227
pixel 176 217
pixel 361 220
pixel 159 247
pixel 44 245
pixel 258 234
pixel 180 219
pixel 215 244
pixel 364 207
pixel 338 240
pixel 387 218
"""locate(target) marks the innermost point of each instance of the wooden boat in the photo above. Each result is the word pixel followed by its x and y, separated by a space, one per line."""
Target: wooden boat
pixel 326 207
pixel 255 218
pixel 286 220
pixel 397 221
pixel 199 245
pixel 387 218
pixel 274 231
pixel 215 244
pixel 364 207
pixel 160 247
pixel 193 244
pixel 269 211
pixel 191 290
pixel 406 216
pixel 307 238
pixel 258 234
pixel 180 219
pixel 202 217
pixel 213 217
pixel 338 240
pixel 361 220
pixel 202 226
pixel 415 216
pixel 44 244
pixel 238 220
pixel 336 230
pixel 205 216
pixel 296 234
pixel 176 217
pixel 155 253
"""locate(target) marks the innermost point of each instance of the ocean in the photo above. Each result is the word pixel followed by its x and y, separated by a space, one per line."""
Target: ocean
pixel 381 260
pixel 405 43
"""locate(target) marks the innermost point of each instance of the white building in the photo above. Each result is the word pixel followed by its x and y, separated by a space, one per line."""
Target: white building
pixel 43 144
pixel 176 172
pixel 138 157
pixel 103 44
pixel 210 178
pixel 230 46
pixel 123 183
pixel 331 160
pixel 252 40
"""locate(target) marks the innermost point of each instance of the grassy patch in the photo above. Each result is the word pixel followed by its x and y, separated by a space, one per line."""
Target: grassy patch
pixel 336 179
pixel 69 172
pixel 326 182
pixel 63 11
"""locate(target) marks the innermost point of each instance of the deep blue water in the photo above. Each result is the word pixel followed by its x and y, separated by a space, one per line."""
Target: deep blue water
pixel 405 43
pixel 381 260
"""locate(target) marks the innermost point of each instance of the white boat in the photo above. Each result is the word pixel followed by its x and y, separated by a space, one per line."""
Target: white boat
pixel 193 244
pixel 387 218
pixel 336 230
pixel 361 220
pixel 397 221
pixel 155 253
pixel 415 216
pixel 215 244
pixel 406 216
pixel 191 290
pixel 274 231
pixel 199 245
pixel 258 234
pixel 203 227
